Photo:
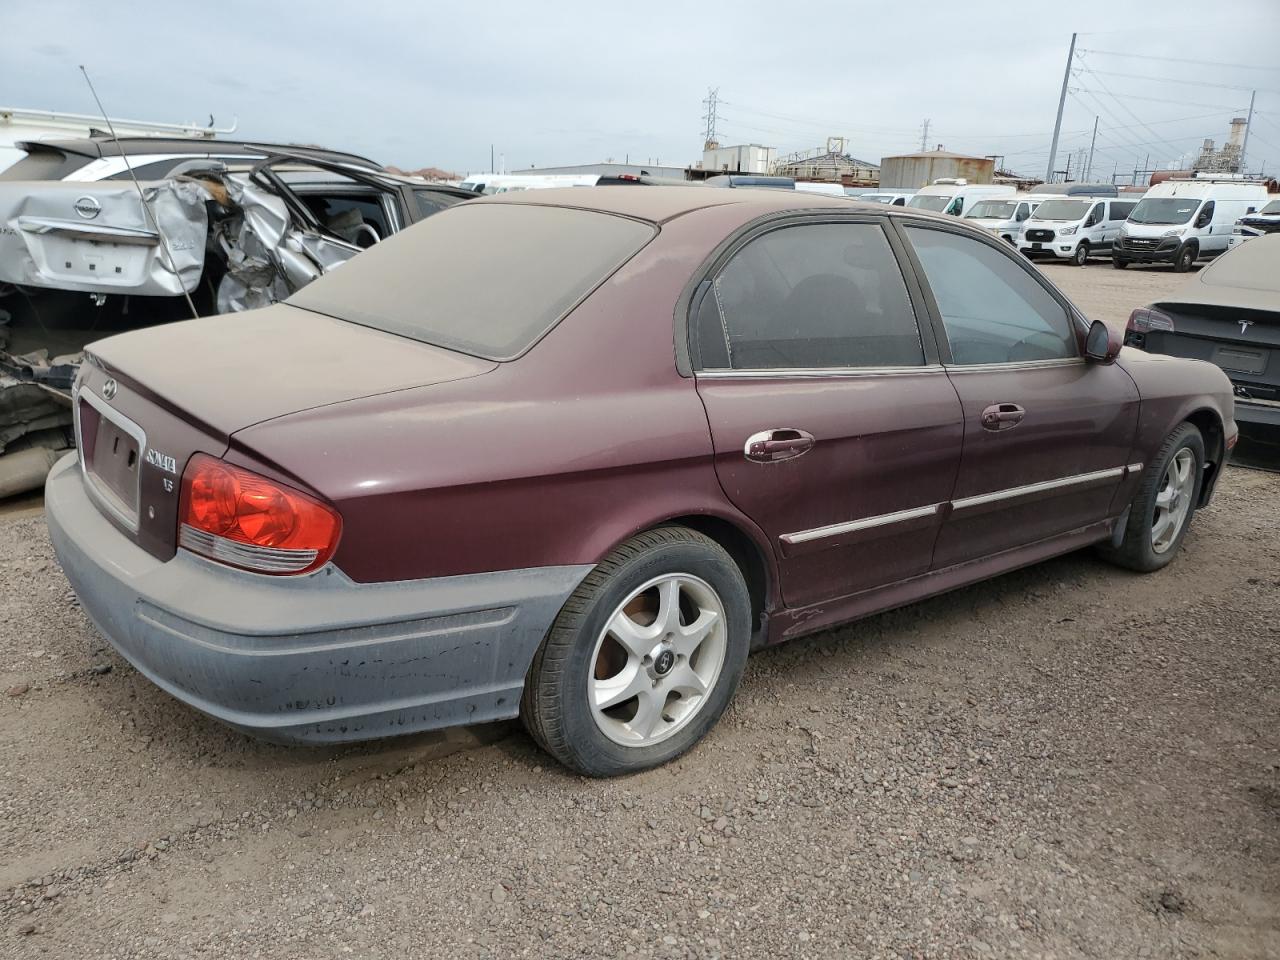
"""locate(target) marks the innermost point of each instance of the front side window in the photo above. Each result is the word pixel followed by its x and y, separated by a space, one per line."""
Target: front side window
pixel 827 295
pixel 993 310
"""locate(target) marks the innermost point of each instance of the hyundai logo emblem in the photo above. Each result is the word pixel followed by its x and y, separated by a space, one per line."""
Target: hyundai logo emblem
pixel 88 207
pixel 109 389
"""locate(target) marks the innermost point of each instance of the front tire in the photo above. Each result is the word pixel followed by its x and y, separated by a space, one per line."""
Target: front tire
pixel 1118 263
pixel 1186 257
pixel 1081 255
pixel 1161 512
pixel 644 656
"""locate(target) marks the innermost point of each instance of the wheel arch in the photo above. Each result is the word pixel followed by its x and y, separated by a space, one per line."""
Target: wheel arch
pixel 746 552
pixel 1207 421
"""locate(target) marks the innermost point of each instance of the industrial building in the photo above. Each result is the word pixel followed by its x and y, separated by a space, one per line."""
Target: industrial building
pixel 911 171
pixel 829 164
pixel 1230 157
pixel 606 170
pixel 743 158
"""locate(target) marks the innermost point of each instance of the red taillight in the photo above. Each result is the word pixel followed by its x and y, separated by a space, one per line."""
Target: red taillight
pixel 1145 318
pixel 239 518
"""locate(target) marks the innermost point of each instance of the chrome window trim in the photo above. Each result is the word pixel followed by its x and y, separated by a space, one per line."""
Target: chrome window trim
pixel 1014 365
pixel 104 497
pixel 809 372
pixel 866 523
pixel 1012 493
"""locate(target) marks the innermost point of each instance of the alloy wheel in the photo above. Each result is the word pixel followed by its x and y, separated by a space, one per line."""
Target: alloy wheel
pixel 657 660
pixel 1173 500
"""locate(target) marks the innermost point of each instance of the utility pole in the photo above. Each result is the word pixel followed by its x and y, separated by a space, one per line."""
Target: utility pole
pixel 709 132
pixel 1062 102
pixel 491 158
pixel 1247 124
pixel 924 136
pixel 1088 170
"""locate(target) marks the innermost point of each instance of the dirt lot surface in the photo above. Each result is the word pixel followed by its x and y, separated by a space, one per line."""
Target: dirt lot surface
pixel 1069 761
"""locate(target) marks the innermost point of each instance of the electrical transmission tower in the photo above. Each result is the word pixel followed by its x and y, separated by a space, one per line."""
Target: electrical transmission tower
pixel 709 132
pixel 924 136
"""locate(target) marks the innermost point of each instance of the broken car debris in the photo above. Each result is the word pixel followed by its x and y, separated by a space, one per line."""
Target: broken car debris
pixel 80 260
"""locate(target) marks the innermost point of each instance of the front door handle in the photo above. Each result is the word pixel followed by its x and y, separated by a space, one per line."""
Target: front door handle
pixel 1002 416
pixel 779 443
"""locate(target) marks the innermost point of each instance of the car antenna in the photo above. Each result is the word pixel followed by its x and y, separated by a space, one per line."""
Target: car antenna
pixel 146 205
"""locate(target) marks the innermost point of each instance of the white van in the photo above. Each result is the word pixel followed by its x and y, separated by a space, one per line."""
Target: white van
pixel 1003 218
pixel 957 196
pixel 1182 221
pixel 890 198
pixel 1074 228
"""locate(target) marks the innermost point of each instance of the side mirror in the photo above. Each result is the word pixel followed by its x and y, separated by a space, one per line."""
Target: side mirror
pixel 1204 219
pixel 1101 344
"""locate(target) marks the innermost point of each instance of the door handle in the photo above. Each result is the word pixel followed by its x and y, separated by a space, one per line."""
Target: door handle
pixel 780 443
pixel 1002 416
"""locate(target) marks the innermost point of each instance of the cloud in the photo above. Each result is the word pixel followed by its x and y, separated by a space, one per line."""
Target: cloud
pixel 575 82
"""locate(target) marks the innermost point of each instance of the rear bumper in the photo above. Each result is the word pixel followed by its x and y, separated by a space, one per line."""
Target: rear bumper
pixel 310 659
pixel 1253 413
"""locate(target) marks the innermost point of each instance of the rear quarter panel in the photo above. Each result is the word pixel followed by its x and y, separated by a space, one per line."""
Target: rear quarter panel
pixel 1174 389
pixel 550 459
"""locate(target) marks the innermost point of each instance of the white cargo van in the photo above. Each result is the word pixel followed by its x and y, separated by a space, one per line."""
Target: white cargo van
pixel 1003 218
pixel 957 196
pixel 1182 221
pixel 1074 228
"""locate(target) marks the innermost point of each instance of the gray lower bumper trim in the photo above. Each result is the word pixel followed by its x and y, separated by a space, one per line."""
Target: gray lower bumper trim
pixel 316 658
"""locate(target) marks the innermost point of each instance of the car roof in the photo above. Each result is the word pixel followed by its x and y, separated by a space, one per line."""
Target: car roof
pixel 128 146
pixel 660 204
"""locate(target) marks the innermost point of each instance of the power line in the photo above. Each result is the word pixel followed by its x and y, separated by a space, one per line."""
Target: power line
pixel 1190 83
pixel 1127 108
pixel 1203 63
pixel 1180 103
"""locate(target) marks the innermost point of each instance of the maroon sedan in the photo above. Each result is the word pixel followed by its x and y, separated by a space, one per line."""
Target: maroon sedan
pixel 570 455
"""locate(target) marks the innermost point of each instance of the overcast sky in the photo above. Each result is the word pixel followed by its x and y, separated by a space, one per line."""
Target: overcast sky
pixel 569 83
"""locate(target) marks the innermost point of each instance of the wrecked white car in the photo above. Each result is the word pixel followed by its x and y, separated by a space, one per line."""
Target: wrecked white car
pixel 82 259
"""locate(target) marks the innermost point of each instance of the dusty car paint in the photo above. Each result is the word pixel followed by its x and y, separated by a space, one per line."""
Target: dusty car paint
pixel 444 466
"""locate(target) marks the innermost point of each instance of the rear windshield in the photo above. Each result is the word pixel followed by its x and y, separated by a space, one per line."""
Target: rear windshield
pixel 485 279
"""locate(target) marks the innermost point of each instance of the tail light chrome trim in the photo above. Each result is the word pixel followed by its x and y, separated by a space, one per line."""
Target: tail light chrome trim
pixel 246 555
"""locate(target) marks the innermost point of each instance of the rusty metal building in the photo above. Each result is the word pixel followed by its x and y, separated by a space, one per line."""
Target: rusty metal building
pixel 911 171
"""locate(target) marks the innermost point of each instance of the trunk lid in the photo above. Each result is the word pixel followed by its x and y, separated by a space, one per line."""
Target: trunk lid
pixel 149 399
pixel 98 238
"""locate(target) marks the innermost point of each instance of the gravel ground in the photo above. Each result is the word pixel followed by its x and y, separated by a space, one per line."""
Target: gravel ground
pixel 1068 761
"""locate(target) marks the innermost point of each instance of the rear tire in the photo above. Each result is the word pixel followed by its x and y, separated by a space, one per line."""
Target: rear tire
pixel 1081 255
pixel 1165 504
pixel 1186 257
pixel 626 680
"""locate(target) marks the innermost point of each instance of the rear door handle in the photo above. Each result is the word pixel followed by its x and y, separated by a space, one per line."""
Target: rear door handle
pixel 779 443
pixel 1002 416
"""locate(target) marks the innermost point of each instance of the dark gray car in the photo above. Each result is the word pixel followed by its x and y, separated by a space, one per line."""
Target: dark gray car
pixel 1229 314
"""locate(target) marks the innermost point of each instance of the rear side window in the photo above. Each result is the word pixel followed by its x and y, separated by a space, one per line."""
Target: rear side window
pixel 486 279
pixel 825 295
pixel 993 310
